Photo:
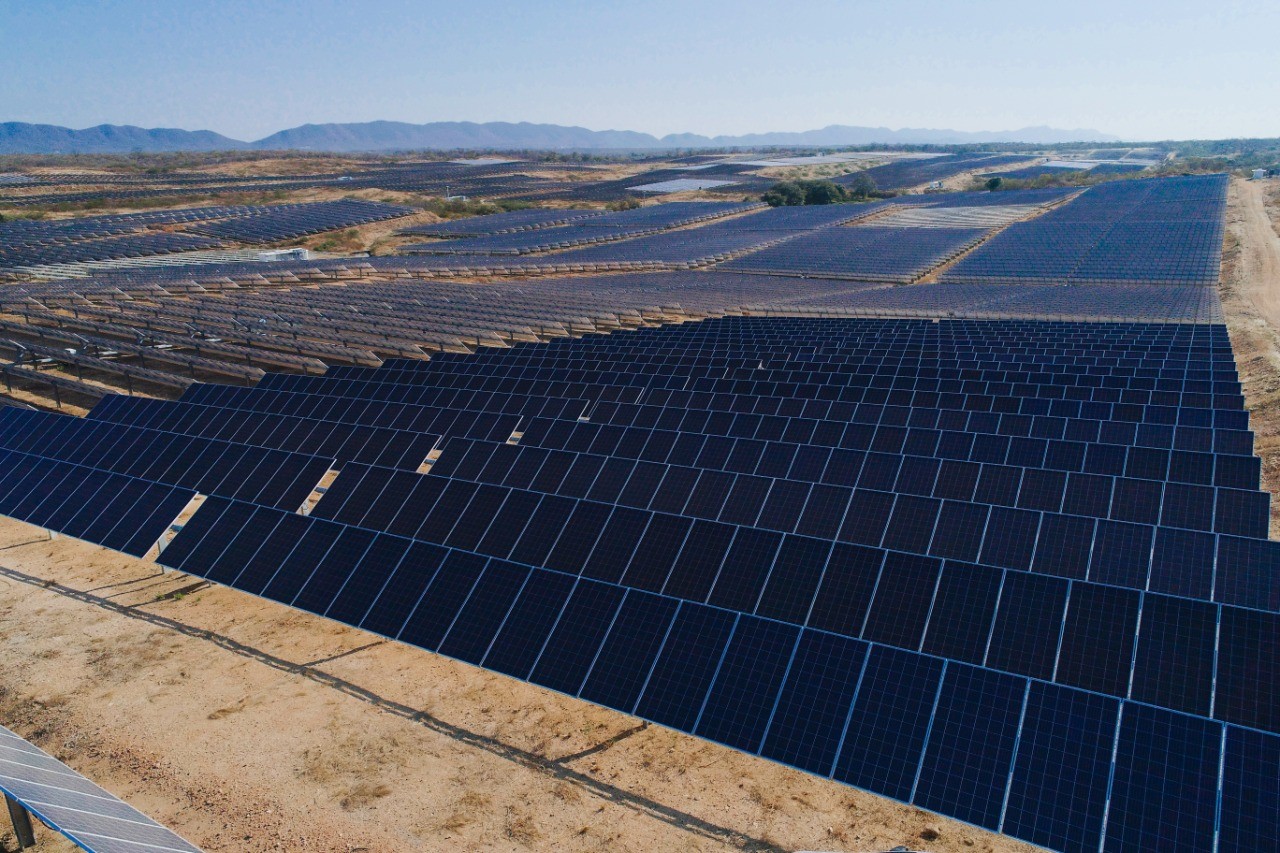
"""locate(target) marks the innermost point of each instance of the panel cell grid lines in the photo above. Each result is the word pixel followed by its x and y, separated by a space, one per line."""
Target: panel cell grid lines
pixel 72 805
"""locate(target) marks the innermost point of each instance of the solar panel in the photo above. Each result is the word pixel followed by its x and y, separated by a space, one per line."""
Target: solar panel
pixel 676 185
pixel 70 804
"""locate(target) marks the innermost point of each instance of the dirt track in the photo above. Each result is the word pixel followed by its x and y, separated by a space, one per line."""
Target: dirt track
pixel 1259 260
pixel 247 726
pixel 1251 303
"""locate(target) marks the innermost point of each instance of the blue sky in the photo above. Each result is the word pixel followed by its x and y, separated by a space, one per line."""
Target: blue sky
pixel 246 68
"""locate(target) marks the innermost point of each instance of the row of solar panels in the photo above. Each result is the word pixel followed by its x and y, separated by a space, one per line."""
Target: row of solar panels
pixel 1165 230
pixel 649 558
pixel 112 237
pixel 940 733
pixel 726 684
pixel 481 588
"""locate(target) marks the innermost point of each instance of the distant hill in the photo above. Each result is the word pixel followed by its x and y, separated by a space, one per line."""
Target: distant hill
pixel 840 134
pixel 21 138
pixel 399 136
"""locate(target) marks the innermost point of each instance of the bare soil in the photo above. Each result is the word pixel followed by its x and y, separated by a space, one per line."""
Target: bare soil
pixel 1251 303
pixel 247 726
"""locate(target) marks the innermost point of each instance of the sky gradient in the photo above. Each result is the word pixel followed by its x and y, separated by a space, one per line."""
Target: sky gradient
pixel 247 68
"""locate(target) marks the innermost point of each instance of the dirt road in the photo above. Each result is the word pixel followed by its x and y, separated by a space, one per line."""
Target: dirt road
pixel 1259 258
pixel 1251 305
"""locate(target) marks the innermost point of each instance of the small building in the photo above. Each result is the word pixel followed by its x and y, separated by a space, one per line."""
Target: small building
pixel 1259 174
pixel 298 254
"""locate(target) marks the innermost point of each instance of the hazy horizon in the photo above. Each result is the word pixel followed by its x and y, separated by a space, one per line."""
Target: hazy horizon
pixel 1144 71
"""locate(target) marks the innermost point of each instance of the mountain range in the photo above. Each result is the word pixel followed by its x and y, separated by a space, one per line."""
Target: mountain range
pixel 23 138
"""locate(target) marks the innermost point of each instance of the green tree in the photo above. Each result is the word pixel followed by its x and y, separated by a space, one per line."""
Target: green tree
pixel 993 184
pixel 823 192
pixel 860 185
pixel 792 193
pixel 784 194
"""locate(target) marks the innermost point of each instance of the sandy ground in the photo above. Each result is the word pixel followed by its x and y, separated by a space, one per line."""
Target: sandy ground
pixel 246 726
pixel 1251 303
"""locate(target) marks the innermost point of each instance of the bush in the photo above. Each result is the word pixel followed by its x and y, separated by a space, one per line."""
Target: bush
pixel 860 186
pixel 623 204
pixel 823 192
pixel 993 184
pixel 784 194
pixel 793 193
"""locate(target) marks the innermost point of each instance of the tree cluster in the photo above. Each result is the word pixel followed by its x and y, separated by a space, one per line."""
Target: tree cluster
pixel 794 193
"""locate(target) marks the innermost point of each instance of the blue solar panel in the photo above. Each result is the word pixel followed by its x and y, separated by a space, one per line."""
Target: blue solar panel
pixel 888 724
pixel 1058 789
pixel 971 744
pixel 813 706
pixel 70 804
pixel 1250 796
pixel 1164 789
pixel 742 699
pixel 1163 231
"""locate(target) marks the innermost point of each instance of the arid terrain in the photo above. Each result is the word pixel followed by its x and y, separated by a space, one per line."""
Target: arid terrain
pixel 1251 302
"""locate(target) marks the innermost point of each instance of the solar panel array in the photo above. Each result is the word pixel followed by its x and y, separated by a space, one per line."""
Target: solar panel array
pixel 1144 302
pixel 1028 173
pixel 645 237
pixel 70 804
pixel 904 174
pixel 108 248
pixel 1117 168
pixel 1012 569
pixel 502 223
pixel 867 252
pixel 1013 572
pixel 1064 167
pixel 302 220
pixel 527 241
pixel 32 243
pixel 562 229
pixel 678 185
pixel 491 180
pixel 975 216
pixel 1166 231
pixel 679 248
pixel 1042 196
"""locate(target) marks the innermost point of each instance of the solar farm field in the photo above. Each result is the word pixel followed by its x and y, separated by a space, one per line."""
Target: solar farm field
pixel 938 520
pixel 1162 232
pixel 43 248
pixel 909 173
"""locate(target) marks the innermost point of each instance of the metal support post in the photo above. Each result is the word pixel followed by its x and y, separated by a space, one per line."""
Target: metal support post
pixel 21 818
